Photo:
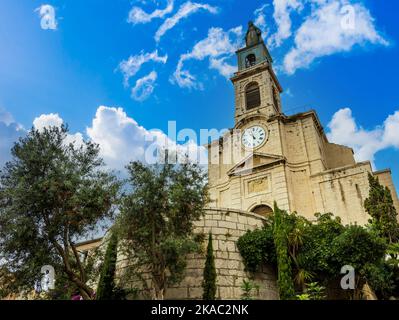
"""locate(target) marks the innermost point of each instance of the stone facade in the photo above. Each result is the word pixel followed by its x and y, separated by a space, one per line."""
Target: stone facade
pixel 295 164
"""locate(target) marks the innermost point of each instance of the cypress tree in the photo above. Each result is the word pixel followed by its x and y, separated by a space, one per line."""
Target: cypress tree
pixel 106 286
pixel 209 283
pixel 380 207
pixel 285 282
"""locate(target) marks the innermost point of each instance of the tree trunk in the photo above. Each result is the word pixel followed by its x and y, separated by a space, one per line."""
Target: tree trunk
pixel 159 294
pixel 368 292
pixel 85 290
pixel 159 283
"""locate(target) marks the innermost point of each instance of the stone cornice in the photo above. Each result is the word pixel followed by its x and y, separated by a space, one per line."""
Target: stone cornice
pixel 303 115
pixel 226 211
pixel 342 169
pixel 256 69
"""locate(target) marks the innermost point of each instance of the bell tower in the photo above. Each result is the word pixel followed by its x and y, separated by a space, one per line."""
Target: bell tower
pixel 257 90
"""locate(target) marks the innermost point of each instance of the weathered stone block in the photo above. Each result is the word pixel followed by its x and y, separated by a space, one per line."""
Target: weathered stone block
pixel 231 246
pixel 211 223
pixel 226 293
pixel 242 227
pixel 218 231
pixel 195 293
pixel 234 256
pixel 222 255
pixel 176 293
pixel 242 219
pixel 227 225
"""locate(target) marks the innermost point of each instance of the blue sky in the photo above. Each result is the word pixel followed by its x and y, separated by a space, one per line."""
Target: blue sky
pixel 65 73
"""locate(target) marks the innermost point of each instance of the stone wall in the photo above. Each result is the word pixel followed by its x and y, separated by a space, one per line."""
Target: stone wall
pixel 385 179
pixel 338 156
pixel 342 192
pixel 226 226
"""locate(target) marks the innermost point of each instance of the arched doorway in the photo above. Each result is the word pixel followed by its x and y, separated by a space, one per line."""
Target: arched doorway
pixel 263 210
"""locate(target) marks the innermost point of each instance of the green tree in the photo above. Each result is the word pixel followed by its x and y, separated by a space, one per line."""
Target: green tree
pixel 257 248
pixel 381 279
pixel 379 205
pixel 157 219
pixel 209 283
pixel 357 247
pixel 315 255
pixel 296 227
pixel 106 285
pixel 52 193
pixel 310 252
pixel 360 249
pixel 284 269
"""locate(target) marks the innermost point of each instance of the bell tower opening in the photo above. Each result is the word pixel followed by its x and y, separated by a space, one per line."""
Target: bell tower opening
pixel 250 60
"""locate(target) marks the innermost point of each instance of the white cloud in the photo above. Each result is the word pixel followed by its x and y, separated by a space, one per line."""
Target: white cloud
pixel 48 18
pixel 6 117
pixel 130 67
pixel 225 69
pixel 260 18
pixel 332 27
pixel 288 93
pixel 138 15
pixel 47 120
pixel 186 9
pixel 391 132
pixel 10 132
pixel 218 46
pixel 54 120
pixel 281 15
pixel 365 143
pixel 122 139
pixel 144 87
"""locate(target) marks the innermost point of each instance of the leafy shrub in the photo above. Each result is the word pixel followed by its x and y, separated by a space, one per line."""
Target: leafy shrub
pixel 257 248
pixel 248 287
pixel 357 247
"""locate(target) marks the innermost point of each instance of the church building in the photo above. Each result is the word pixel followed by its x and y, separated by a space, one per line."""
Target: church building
pixel 269 156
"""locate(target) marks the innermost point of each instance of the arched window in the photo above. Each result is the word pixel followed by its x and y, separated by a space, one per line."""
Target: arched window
pixel 252 95
pixel 263 210
pixel 250 60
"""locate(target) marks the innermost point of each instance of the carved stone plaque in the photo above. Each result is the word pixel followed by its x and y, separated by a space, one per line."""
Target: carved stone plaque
pixel 259 185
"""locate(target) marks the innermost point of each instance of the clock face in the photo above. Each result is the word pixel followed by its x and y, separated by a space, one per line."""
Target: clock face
pixel 253 137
